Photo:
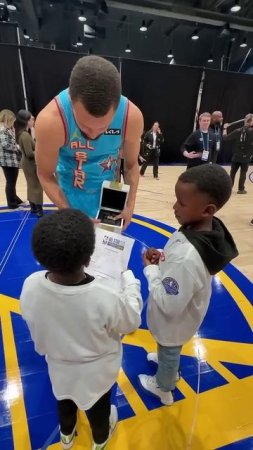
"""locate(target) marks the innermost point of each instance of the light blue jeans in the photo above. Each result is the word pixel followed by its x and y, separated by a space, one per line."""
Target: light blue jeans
pixel 168 366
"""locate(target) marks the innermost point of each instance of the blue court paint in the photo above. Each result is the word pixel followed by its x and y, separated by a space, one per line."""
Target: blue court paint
pixel 223 322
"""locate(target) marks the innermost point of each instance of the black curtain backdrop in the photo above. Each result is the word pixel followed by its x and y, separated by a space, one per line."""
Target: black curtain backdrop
pixel 11 92
pixel 167 94
pixel 231 93
pixel 47 72
pixel 163 92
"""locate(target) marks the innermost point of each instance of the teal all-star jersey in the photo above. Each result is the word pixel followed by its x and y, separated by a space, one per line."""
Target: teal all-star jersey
pixel 84 164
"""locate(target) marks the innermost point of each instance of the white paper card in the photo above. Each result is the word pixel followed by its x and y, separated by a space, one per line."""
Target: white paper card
pixel 111 255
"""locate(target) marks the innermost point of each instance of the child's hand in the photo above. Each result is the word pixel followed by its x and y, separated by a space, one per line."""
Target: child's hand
pixel 151 256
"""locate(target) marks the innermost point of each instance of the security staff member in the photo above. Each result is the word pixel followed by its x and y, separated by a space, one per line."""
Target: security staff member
pixel 243 150
pixel 216 127
pixel 152 142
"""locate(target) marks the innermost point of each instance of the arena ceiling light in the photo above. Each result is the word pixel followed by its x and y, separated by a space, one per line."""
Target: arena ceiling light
pixel 79 42
pixel 143 27
pixel 26 35
pixel 128 49
pixel 244 43
pixel 236 7
pixel 81 16
pixel 195 35
pixel 210 59
pixel 11 7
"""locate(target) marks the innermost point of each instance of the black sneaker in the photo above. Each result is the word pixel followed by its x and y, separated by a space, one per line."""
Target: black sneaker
pixel 39 211
pixel 242 192
pixel 251 223
pixel 33 208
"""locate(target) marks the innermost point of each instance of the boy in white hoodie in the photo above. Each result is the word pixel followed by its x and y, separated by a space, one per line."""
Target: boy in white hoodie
pixel 179 278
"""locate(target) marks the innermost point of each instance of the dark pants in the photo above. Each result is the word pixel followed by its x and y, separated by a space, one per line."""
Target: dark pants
pixel 195 162
pixel 151 157
pixel 215 156
pixel 243 171
pixel 98 417
pixel 11 176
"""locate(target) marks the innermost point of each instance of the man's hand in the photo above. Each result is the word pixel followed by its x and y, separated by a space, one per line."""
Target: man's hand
pixel 96 221
pixel 191 155
pixel 126 215
pixel 225 129
pixel 151 256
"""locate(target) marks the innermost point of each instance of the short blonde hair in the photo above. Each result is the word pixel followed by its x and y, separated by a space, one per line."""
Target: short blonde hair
pixel 7 117
pixel 205 114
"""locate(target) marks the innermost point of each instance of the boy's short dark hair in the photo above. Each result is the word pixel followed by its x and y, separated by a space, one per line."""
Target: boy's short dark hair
pixel 63 241
pixel 210 179
pixel 95 82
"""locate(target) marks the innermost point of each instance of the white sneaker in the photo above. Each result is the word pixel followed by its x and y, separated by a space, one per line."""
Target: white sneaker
pixel 67 441
pixel 149 384
pixel 113 424
pixel 26 203
pixel 153 357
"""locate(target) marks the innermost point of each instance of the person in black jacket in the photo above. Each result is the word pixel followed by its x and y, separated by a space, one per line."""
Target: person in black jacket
pixel 152 142
pixel 243 150
pixel 200 145
pixel 216 127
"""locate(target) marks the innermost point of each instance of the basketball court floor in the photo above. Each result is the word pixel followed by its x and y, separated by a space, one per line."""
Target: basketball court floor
pixel 214 397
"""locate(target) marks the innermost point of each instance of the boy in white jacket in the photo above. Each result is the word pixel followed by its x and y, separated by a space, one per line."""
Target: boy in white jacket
pixel 179 278
pixel 76 321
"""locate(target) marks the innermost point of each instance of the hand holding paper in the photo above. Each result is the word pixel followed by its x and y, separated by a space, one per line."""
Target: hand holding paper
pixel 111 255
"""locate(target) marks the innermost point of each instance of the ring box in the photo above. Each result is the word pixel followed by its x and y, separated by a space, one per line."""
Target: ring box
pixel 113 200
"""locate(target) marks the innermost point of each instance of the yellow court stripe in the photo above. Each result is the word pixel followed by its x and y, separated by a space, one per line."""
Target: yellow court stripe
pixel 222 370
pixel 14 391
pixel 187 391
pixel 130 393
pixel 152 227
pixel 8 304
pixel 240 299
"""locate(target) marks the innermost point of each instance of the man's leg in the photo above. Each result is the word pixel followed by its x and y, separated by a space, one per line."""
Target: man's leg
pixel 243 173
pixel 233 170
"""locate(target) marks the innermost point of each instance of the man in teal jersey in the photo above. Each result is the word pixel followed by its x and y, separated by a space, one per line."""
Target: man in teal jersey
pixel 79 135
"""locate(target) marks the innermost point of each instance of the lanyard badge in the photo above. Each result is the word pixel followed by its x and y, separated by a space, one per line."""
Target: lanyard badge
pixel 205 154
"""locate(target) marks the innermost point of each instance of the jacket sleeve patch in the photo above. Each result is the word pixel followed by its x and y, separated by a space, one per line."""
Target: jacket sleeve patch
pixel 170 285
